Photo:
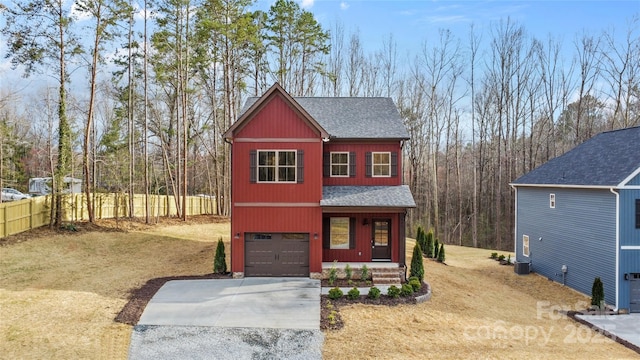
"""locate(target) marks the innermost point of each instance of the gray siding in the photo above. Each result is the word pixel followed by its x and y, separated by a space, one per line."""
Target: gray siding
pixel 635 180
pixel 629 236
pixel 579 233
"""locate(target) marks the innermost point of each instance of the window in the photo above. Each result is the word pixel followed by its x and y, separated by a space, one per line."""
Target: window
pixel 525 245
pixel 552 201
pixel 637 213
pixel 381 164
pixel 339 233
pixel 340 164
pixel 276 166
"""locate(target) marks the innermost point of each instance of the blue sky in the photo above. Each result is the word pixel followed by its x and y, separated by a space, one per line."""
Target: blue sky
pixel 413 21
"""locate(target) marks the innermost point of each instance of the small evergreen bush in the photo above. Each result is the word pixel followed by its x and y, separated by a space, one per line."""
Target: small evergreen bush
pixel 333 274
pixel 374 293
pixel 597 293
pixel 429 242
pixel 335 293
pixel 219 261
pixel 406 290
pixel 348 272
pixel 494 255
pixel 436 249
pixel 364 273
pixel 417 267
pixel 415 284
pixel 441 256
pixel 353 294
pixel 501 257
pixel 509 259
pixel 393 291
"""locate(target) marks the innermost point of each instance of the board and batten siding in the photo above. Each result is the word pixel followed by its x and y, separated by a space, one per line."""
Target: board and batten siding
pixel 629 237
pixel 580 232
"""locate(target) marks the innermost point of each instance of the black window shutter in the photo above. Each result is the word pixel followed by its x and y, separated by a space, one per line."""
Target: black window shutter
pixel 394 164
pixel 637 213
pixel 326 233
pixel 367 164
pixel 253 165
pixel 352 233
pixel 326 164
pixel 352 164
pixel 300 165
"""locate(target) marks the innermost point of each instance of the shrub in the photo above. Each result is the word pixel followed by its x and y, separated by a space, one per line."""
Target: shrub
pixel 494 255
pixel 436 249
pixel 429 242
pixel 501 257
pixel 333 274
pixel 353 294
pixel 219 261
pixel 406 290
pixel 441 256
pixel 421 239
pixel 335 293
pixel 415 284
pixel 374 293
pixel 417 267
pixel 509 259
pixel 348 272
pixel 393 291
pixel 597 293
pixel 364 274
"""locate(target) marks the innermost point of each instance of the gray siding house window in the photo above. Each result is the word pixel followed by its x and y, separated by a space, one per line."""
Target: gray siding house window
pixel 637 213
pixel 525 245
pixel 552 201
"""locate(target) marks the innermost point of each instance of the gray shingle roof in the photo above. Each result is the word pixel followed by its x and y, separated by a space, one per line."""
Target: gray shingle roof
pixel 367 196
pixel 353 117
pixel 604 160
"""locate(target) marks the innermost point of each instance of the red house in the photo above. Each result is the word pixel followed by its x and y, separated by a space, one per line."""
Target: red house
pixel 314 180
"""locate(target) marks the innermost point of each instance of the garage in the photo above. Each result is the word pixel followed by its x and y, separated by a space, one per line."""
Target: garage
pixel 277 254
pixel 635 293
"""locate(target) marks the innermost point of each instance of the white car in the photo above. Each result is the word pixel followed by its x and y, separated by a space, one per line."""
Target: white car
pixel 9 194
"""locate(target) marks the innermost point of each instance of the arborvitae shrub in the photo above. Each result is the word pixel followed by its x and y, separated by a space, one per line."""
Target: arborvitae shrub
pixel 335 293
pixel 436 249
pixel 393 291
pixel 417 267
pixel 429 242
pixel 441 253
pixel 364 273
pixel 348 272
pixel 597 293
pixel 219 261
pixel 406 290
pixel 494 255
pixel 353 294
pixel 333 274
pixel 374 293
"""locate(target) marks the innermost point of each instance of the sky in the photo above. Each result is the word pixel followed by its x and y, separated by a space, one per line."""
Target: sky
pixel 414 21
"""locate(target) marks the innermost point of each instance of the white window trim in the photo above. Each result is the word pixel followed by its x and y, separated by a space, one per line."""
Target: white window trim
pixel 373 163
pixel 552 201
pixel 525 239
pixel 344 246
pixel 331 163
pixel 277 151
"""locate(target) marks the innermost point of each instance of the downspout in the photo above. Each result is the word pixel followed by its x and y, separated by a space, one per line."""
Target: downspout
pixel 515 224
pixel 617 245
pixel 231 205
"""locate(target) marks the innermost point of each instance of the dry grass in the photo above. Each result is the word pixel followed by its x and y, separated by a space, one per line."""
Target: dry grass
pixel 59 294
pixel 479 310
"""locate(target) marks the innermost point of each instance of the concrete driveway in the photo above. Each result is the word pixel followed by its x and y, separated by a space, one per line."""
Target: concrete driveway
pixel 276 303
pixel 252 318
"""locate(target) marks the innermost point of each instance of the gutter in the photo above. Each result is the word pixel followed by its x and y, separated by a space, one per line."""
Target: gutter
pixel 613 191
pixel 515 222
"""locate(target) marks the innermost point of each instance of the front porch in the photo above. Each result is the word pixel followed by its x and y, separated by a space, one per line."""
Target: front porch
pixel 380 273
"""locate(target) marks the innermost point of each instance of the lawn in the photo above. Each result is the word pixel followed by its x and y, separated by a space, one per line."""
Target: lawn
pixel 60 293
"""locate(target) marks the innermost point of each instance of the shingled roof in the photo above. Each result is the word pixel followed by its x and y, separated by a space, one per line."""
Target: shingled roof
pixel 367 196
pixel 352 117
pixel 605 160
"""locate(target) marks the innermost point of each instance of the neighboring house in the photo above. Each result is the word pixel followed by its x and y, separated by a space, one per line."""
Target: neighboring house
pixel 314 180
pixel 581 211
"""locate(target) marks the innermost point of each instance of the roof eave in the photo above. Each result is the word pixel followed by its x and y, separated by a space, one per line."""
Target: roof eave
pixel 568 186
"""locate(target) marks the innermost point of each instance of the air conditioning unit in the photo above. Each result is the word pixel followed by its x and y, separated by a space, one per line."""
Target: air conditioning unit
pixel 521 268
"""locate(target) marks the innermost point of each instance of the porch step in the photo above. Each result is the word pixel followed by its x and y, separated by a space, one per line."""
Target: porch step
pixel 386 277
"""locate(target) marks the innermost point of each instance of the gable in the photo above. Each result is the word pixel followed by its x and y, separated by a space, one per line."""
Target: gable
pixel 276 119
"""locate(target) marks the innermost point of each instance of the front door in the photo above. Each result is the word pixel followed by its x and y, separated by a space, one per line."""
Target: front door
pixel 381 240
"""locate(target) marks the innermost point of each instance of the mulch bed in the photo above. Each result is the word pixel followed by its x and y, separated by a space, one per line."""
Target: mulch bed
pixel 139 298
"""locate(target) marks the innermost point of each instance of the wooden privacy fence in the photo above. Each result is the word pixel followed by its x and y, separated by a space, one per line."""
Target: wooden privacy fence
pixel 23 215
